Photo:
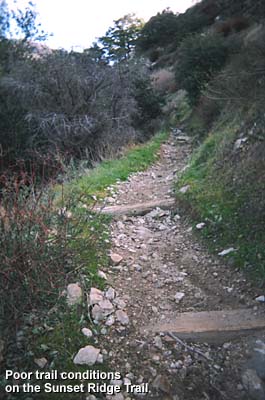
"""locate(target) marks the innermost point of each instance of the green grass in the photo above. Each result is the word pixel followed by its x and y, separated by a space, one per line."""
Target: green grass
pixel 107 173
pixel 226 203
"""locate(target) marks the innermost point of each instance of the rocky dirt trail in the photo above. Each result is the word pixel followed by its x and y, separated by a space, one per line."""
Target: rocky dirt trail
pixel 159 270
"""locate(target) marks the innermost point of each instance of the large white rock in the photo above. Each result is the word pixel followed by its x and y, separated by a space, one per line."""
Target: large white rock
pixel 74 294
pixel 87 356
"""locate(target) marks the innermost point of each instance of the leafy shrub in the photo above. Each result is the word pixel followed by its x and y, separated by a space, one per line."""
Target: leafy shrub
pixel 159 30
pixel 148 107
pixel 199 58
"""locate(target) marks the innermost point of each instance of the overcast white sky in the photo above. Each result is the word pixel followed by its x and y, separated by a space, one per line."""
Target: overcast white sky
pixel 80 22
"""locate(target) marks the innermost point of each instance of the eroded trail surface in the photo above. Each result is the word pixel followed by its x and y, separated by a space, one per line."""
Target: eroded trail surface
pixel 166 271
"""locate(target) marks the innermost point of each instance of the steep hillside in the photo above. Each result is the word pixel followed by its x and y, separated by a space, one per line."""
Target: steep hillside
pixel 209 63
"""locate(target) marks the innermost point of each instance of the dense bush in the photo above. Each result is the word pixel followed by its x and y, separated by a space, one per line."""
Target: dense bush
pixel 241 84
pixel 199 58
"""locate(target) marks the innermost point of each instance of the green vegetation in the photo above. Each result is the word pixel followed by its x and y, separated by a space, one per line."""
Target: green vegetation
pixel 231 205
pixel 97 180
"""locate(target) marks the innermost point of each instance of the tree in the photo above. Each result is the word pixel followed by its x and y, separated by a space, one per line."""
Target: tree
pixel 120 39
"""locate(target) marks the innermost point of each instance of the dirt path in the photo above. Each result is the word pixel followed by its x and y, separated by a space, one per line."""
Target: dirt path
pixel 165 271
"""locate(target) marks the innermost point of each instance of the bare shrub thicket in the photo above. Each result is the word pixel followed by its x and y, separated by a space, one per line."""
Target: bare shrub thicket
pixel 69 104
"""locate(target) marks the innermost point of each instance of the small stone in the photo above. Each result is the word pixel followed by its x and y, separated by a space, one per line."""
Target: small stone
pixel 179 296
pixel 102 275
pixel 116 258
pixel 107 306
pixel 110 321
pixel 110 294
pixel 260 299
pixel 253 384
pixel 41 362
pixel 226 251
pixel 158 342
pixel 98 313
pixel 184 189
pixel 91 397
pixel 95 296
pixel 119 303
pixel 122 317
pixel 201 225
pixel 87 332
pixel 74 294
pixel 87 356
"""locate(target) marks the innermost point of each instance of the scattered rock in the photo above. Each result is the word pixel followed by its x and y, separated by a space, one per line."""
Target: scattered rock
pixel 106 306
pixel 179 296
pixel 201 225
pixel 100 313
pixel 184 189
pixel 253 384
pixel 95 296
pixel 91 397
pixel 116 258
pixel 239 142
pixel 110 321
pixel 74 294
pixel 226 251
pixel 87 332
pixel 87 356
pixel 102 275
pixel 158 342
pixel 260 299
pixel 41 362
pixel 119 303
pixel 110 294
pixel 122 317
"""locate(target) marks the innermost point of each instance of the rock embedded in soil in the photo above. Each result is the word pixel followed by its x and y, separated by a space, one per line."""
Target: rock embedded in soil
pixel 87 355
pixel 122 317
pixel 41 362
pixel 179 296
pixel 87 332
pixel 116 258
pixel 74 294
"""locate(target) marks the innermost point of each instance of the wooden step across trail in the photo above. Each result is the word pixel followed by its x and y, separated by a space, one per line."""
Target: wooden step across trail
pixel 138 208
pixel 211 326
